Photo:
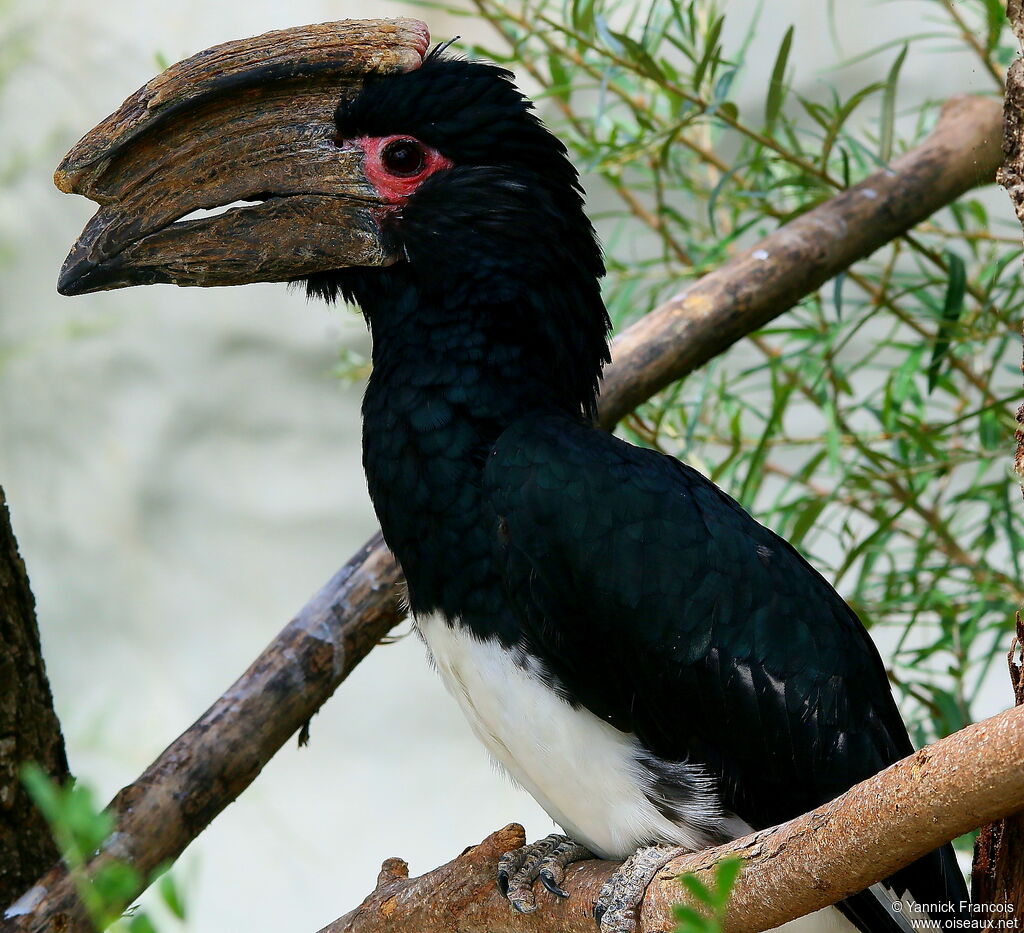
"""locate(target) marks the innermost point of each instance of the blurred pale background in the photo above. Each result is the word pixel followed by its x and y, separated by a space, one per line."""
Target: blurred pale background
pixel 183 471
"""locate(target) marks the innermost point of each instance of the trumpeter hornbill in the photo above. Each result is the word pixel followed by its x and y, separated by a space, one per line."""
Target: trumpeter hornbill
pixel 653 665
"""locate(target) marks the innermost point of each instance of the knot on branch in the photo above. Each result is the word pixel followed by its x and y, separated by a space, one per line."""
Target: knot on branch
pixel 401 902
pixel 392 869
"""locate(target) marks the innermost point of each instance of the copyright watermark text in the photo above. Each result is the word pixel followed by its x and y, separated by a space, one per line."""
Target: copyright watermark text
pixel 962 915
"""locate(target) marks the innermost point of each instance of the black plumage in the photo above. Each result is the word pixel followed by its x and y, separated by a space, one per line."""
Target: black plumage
pixel 649 596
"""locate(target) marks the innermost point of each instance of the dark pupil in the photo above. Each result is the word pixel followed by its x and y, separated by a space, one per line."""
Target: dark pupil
pixel 403 157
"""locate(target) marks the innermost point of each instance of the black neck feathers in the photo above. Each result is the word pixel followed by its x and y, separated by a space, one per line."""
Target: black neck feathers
pixel 494 314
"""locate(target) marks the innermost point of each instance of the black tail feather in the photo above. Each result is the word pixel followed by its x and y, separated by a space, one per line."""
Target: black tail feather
pixel 933 881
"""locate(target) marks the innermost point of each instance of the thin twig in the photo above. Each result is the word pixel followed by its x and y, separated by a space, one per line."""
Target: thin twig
pixel 967 34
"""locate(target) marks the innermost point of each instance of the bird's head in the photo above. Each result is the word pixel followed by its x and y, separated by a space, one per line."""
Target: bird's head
pixel 344 162
pixel 359 171
pixel 477 197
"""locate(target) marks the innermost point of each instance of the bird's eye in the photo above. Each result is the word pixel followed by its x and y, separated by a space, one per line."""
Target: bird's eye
pixel 403 157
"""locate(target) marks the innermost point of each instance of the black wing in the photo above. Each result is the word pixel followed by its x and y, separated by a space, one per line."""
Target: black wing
pixel 674 615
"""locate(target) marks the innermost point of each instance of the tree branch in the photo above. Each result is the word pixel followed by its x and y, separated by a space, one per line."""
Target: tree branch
pixel 211 763
pixel 29 728
pixel 862 837
pixel 997 872
pixel 755 287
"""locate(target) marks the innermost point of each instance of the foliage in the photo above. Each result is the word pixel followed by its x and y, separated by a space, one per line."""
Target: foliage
pixel 871 425
pixel 81 830
pixel 715 902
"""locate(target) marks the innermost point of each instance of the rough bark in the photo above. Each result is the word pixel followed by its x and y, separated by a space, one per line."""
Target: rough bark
pixel 213 761
pixel 998 869
pixel 846 845
pixel 1011 173
pixel 997 875
pixel 29 729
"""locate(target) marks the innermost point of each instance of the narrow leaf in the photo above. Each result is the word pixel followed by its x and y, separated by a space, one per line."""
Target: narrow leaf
pixel 727 872
pixel 583 16
pixel 885 135
pixel 561 83
pixel 805 521
pixel 710 51
pixel 837 294
pixel 171 895
pixel 995 19
pixel 952 308
pixel 777 85
pixel 639 56
pixel 697 889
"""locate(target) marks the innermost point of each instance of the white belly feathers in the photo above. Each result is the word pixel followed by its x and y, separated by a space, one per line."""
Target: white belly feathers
pixel 584 772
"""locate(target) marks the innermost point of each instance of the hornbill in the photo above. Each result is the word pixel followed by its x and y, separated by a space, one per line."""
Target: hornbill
pixel 657 668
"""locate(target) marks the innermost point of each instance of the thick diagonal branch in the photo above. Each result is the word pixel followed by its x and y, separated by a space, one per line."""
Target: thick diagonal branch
pixel 871 831
pixel 206 768
pixel 709 316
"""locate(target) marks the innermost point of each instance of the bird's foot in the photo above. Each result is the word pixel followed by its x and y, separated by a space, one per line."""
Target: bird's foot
pixel 547 860
pixel 617 906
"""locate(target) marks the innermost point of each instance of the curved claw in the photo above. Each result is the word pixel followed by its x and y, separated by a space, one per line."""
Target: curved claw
pixel 546 861
pixel 547 878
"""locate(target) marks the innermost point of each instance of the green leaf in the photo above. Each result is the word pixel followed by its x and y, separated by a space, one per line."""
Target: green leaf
pixel 720 185
pixel 837 294
pixel 561 82
pixel 583 16
pixel 777 84
pixel 690 921
pixel 693 921
pixel 995 20
pixel 698 890
pixel 990 430
pixel 140 923
pixel 639 56
pixel 728 110
pixel 977 210
pixel 727 872
pixel 43 791
pixel 805 520
pixel 115 884
pixel 838 120
pixel 721 90
pixel 171 895
pixel 885 135
pixel 781 393
pixel 711 51
pixel 75 821
pixel 605 34
pixel 952 308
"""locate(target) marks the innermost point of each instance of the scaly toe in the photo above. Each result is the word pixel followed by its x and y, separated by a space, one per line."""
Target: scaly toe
pixel 552 868
pixel 618 905
pixel 546 860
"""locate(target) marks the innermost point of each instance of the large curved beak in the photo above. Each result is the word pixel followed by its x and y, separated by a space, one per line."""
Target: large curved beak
pixel 248 121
